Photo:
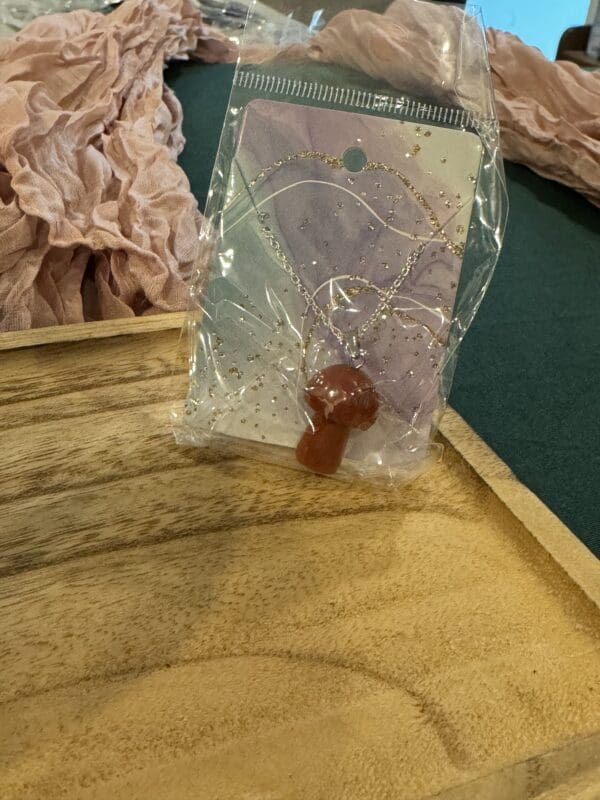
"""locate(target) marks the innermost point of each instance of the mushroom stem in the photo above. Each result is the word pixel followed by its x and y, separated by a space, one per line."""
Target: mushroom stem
pixel 322 446
pixel 343 398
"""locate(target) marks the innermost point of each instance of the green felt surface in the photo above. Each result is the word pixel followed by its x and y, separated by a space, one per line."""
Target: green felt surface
pixel 528 379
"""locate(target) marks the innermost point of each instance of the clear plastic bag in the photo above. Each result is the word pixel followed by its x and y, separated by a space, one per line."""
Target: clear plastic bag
pixel 17 13
pixel 352 227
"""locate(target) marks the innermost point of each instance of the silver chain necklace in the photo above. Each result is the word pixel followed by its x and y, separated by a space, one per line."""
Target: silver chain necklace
pixel 349 341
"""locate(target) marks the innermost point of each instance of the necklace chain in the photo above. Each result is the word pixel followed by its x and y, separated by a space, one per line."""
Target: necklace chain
pixel 349 341
pixel 372 166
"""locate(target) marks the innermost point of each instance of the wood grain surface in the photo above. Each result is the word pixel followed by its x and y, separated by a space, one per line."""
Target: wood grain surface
pixel 176 624
pixel 33 337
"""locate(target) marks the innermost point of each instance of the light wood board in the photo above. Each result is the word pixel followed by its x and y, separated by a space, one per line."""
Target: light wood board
pixel 177 625
pixel 33 337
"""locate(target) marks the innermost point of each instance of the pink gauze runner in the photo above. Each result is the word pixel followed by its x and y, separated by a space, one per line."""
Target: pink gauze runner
pixel 549 111
pixel 96 219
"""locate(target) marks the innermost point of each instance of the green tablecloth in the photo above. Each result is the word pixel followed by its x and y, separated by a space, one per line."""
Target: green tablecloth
pixel 528 379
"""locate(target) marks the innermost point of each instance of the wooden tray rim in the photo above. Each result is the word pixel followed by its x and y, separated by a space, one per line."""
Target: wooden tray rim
pixel 556 538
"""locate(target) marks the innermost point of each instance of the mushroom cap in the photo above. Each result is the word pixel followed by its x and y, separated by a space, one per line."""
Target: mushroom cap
pixel 345 395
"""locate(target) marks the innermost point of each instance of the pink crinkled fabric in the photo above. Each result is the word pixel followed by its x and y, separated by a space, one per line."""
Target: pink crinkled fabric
pixel 549 111
pixel 96 219
pixel 416 47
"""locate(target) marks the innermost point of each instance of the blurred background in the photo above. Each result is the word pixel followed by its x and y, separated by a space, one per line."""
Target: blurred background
pixel 538 22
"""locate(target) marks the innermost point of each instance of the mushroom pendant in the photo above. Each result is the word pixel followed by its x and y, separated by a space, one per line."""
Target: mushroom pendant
pixel 344 398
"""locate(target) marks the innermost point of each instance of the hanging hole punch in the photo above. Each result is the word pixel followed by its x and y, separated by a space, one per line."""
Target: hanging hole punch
pixel 355 159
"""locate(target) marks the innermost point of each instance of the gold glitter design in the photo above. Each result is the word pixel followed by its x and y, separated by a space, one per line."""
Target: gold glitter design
pixel 218 413
pixel 457 248
pixel 337 163
pixel 332 161
pixel 323 317
pixel 388 310
pixel 386 296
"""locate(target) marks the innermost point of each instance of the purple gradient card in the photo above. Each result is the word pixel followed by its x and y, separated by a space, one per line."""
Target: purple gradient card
pixel 337 222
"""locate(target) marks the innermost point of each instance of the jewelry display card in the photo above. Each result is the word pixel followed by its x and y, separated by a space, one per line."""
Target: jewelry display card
pixel 341 238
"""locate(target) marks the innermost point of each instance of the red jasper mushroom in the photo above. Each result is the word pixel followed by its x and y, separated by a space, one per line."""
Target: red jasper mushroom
pixel 344 398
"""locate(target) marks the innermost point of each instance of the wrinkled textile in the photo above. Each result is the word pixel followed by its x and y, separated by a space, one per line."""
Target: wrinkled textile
pixel 549 112
pixel 416 47
pixel 96 219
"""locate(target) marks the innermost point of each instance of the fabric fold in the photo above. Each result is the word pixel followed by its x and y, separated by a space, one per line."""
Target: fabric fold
pixel 96 219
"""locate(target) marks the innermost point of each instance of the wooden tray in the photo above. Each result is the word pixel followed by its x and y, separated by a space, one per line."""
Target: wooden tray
pixel 177 625
pixel 91 330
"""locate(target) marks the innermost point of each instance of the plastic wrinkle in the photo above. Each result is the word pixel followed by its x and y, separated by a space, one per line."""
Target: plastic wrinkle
pixel 356 214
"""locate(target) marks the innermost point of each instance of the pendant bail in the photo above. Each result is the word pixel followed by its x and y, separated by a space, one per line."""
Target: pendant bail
pixel 356 353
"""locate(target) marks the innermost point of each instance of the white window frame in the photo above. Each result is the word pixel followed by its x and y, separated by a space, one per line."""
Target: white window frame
pixel 593 12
